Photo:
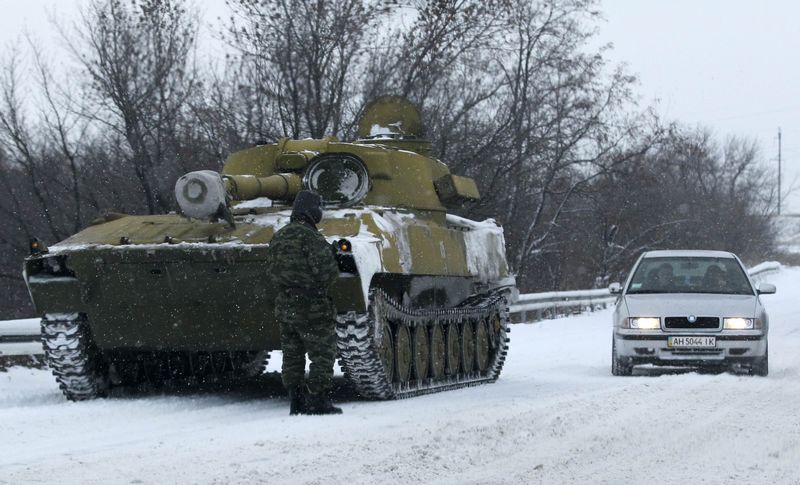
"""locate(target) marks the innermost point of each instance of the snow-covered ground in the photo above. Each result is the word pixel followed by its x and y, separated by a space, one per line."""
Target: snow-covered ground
pixel 555 416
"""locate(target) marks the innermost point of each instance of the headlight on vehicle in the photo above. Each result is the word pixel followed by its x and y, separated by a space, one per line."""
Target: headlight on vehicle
pixel 645 323
pixel 55 266
pixel 739 323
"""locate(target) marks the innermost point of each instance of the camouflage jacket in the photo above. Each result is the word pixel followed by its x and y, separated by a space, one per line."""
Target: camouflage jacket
pixel 301 258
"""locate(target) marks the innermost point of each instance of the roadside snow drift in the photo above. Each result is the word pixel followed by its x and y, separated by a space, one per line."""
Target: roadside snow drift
pixel 555 416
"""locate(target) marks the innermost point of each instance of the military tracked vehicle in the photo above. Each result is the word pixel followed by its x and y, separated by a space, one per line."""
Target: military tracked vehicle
pixel 422 297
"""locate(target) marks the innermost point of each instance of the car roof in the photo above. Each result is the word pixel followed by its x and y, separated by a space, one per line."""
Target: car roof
pixel 688 253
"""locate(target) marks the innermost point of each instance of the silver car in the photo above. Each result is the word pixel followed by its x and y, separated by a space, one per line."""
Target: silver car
pixel 692 308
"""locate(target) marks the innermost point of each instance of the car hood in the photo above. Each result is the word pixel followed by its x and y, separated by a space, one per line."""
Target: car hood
pixel 680 304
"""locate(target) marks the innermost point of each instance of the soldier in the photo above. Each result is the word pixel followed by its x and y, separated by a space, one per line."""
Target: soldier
pixel 303 266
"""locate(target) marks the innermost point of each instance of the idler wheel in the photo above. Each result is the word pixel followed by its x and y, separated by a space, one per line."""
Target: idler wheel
pixel 468 347
pixel 453 350
pixel 482 345
pixel 386 350
pixel 403 352
pixel 422 351
pixel 438 351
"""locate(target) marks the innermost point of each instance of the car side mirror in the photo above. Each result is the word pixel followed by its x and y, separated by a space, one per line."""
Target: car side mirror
pixel 765 289
pixel 615 288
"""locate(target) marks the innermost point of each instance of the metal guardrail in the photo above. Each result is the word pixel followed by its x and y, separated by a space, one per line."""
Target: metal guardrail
pixel 23 338
pixel 20 337
pixel 532 307
pixel 759 271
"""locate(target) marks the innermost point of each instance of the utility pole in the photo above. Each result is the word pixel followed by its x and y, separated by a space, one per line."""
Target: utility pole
pixel 779 171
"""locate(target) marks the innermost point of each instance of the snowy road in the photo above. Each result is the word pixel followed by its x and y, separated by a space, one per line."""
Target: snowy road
pixel 555 416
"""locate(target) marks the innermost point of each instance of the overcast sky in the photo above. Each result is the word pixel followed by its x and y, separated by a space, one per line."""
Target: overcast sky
pixel 731 65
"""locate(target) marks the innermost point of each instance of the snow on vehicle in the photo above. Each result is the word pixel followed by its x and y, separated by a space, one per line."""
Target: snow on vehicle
pixel 422 296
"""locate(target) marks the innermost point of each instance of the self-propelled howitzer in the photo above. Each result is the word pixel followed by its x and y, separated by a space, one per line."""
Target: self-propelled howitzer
pixel 422 296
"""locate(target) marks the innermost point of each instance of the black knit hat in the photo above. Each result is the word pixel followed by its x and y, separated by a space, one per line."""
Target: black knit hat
pixel 308 205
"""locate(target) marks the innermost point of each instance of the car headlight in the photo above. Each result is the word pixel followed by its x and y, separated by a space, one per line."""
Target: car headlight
pixel 739 323
pixel 645 323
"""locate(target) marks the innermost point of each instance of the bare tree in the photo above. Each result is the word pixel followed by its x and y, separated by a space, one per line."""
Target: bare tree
pixel 41 189
pixel 561 124
pixel 300 59
pixel 17 139
pixel 138 56
pixel 687 191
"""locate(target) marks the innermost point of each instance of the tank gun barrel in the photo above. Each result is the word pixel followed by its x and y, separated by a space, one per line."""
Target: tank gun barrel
pixel 205 193
pixel 281 186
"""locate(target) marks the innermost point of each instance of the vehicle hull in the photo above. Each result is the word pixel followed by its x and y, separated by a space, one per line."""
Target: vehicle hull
pixel 194 296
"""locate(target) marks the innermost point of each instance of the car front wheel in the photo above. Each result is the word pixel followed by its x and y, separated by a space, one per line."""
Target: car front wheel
pixel 619 367
pixel 760 366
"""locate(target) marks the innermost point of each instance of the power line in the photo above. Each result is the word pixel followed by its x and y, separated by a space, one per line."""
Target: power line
pixel 761 113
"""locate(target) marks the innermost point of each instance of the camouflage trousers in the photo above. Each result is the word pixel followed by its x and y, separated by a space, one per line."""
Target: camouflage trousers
pixel 307 327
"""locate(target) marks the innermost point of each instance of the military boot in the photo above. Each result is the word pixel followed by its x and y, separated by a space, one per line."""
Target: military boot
pixel 297 397
pixel 321 404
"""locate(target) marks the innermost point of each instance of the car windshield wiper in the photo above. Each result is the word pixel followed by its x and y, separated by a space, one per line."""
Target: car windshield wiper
pixel 641 292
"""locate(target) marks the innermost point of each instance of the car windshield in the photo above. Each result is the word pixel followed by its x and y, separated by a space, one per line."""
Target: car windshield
pixel 690 275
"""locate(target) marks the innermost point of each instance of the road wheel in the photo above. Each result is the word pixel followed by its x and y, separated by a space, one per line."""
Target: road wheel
pixel 453 351
pixel 468 347
pixel 250 364
pixel 422 352
pixel 403 353
pixel 127 372
pixel 438 352
pixel 386 350
pixel 482 345
pixel 619 367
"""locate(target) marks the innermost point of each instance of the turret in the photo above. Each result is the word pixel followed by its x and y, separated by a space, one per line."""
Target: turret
pixel 389 166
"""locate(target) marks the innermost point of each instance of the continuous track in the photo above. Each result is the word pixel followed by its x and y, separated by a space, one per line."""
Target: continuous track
pixel 377 360
pixel 75 360
pixel 84 372
pixel 361 345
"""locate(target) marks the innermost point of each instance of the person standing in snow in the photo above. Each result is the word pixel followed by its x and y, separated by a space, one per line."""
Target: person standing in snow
pixel 304 267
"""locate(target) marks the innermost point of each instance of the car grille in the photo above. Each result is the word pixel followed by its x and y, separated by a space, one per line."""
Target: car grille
pixel 695 351
pixel 683 322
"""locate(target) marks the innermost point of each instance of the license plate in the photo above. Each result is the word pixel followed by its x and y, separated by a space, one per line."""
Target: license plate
pixel 691 342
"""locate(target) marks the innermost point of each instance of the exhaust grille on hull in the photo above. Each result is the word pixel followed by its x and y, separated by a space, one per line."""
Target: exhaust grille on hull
pixel 683 322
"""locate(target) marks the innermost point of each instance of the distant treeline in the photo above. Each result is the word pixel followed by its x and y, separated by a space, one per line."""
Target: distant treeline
pixel 513 93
